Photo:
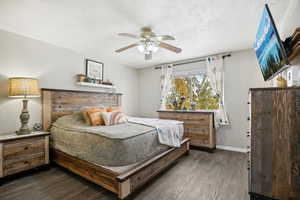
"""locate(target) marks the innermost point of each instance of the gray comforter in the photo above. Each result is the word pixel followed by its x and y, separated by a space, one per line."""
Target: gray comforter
pixel 117 145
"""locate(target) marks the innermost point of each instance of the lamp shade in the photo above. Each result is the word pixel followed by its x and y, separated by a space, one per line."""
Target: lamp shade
pixel 24 87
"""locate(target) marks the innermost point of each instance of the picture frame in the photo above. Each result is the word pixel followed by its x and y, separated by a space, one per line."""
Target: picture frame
pixel 94 69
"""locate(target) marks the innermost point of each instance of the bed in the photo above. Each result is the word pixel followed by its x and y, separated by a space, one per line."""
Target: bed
pixel 119 174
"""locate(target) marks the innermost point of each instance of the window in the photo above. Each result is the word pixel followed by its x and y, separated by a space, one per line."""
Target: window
pixel 191 92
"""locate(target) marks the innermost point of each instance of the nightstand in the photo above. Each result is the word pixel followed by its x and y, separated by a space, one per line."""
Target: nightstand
pixel 23 152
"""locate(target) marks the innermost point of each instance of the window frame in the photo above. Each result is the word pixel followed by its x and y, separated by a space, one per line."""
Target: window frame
pixel 189 74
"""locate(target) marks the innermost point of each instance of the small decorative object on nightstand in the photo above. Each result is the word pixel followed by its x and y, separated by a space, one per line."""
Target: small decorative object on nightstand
pixel 23 152
pixel 24 88
pixel 37 127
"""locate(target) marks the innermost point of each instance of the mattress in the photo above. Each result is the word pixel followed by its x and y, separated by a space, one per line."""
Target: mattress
pixel 117 145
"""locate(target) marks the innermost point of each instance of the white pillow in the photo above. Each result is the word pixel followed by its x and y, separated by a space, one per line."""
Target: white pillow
pixel 113 118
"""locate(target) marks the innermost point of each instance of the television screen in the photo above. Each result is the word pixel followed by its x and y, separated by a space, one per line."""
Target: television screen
pixel 269 48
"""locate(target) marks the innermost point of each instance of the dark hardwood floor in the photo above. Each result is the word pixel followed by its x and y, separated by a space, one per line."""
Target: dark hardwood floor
pixel 199 176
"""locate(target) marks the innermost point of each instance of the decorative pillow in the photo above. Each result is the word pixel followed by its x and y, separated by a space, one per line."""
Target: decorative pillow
pixel 114 108
pixel 86 117
pixel 95 117
pixel 113 118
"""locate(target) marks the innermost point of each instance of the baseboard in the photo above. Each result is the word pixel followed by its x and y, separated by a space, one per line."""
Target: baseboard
pixel 254 196
pixel 230 148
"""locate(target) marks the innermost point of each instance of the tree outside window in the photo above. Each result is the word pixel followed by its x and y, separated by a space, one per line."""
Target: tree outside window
pixel 192 92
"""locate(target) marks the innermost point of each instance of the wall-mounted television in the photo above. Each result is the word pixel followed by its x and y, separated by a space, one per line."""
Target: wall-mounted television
pixel 269 49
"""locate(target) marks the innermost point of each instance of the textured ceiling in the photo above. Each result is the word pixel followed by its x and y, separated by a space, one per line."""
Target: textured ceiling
pixel 201 27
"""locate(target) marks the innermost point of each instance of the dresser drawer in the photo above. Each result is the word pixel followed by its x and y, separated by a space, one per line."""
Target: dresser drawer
pixel 20 148
pixel 174 116
pixel 198 126
pixel 193 136
pixel 197 130
pixel 197 139
pixel 186 116
pixel 22 164
pixel 199 117
pixel 170 117
pixel 202 143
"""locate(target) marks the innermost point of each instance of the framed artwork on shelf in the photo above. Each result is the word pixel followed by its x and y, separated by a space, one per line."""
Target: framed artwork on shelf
pixel 94 69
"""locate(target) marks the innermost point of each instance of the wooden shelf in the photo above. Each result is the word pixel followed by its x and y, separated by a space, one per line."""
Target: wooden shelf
pixel 296 48
pixel 296 52
pixel 85 84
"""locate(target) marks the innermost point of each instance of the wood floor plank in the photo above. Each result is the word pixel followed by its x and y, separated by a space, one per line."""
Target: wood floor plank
pixel 199 176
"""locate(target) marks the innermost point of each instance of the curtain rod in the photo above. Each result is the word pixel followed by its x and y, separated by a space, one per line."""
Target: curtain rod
pixel 202 59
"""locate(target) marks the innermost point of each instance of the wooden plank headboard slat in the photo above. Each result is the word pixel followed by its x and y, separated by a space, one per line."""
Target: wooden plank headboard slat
pixel 57 103
pixel 46 96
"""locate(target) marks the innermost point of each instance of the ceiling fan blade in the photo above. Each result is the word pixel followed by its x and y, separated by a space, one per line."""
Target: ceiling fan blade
pixel 129 35
pixel 127 47
pixel 165 37
pixel 170 47
pixel 148 56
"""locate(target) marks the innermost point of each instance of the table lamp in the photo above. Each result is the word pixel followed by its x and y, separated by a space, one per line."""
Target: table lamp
pixel 24 88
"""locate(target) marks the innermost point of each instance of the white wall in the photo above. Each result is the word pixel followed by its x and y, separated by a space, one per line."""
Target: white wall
pixel 241 73
pixel 55 67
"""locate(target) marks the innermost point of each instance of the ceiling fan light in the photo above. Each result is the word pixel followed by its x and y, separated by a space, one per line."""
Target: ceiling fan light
pixel 147 47
pixel 153 48
pixel 149 42
pixel 141 48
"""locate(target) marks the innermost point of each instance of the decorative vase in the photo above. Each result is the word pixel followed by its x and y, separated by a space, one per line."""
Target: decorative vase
pixel 81 77
pixel 281 82
pixel 193 106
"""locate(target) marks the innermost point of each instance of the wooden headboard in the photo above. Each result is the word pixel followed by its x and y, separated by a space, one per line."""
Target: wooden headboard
pixel 57 103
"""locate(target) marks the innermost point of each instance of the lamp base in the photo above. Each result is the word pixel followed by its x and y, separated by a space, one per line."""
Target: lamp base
pixel 24 117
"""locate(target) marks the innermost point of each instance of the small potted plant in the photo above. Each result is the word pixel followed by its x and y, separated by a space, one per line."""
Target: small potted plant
pixel 193 106
pixel 81 77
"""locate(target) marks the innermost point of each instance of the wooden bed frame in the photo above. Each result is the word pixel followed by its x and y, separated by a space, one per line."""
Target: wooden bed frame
pixel 57 103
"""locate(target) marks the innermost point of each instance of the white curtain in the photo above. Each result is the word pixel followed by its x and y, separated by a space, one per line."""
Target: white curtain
pixel 165 84
pixel 215 72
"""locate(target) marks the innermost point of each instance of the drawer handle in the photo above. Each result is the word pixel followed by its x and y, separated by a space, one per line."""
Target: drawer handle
pixel 26 162
pixel 25 148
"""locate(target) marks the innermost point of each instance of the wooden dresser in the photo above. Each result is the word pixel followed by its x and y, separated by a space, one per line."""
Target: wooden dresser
pixel 275 143
pixel 198 126
pixel 23 152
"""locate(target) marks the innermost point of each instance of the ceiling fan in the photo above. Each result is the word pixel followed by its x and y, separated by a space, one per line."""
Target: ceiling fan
pixel 149 42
